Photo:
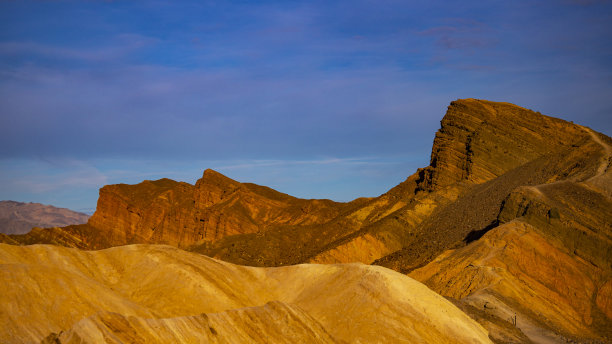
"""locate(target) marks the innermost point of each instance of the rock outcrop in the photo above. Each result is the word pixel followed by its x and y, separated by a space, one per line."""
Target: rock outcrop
pixel 160 294
pixel 183 215
pixel 481 140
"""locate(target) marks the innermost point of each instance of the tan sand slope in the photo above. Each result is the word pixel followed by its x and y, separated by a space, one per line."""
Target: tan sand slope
pixel 275 322
pixel 149 293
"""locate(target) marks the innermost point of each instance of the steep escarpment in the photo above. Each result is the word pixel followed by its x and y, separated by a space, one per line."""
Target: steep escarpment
pixel 152 293
pixel 544 264
pixel 477 209
pixel 180 214
pixel 480 140
pixel 482 151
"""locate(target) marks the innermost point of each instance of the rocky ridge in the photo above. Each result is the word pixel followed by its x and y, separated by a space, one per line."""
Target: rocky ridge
pixel 184 215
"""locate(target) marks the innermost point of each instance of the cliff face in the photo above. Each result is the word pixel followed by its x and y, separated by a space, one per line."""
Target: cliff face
pixel 180 214
pixel 482 151
pixel 480 140
pixel 19 218
pixel 151 210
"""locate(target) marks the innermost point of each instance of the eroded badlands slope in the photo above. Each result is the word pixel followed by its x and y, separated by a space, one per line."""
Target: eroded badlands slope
pixel 161 294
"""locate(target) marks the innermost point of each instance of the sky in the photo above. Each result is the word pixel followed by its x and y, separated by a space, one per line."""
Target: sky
pixel 317 99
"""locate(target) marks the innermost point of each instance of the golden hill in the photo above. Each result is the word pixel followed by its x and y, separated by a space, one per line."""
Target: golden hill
pixel 161 294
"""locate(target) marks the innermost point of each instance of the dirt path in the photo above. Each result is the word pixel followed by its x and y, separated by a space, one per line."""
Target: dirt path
pixel 603 167
pixel 597 179
pixel 536 189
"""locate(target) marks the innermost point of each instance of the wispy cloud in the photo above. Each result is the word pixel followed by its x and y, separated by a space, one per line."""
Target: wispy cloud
pixel 287 163
pixel 119 47
pixel 49 175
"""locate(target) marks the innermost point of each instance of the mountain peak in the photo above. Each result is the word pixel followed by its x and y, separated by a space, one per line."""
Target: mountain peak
pixel 479 140
pixel 211 172
pixel 213 178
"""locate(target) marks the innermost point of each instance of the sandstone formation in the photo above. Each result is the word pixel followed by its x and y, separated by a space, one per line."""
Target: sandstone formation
pixel 548 262
pixel 20 218
pixel 478 143
pixel 159 294
pixel 538 186
pixel 184 215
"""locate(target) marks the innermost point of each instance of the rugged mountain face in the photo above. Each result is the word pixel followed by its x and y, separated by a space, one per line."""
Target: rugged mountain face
pixel 482 152
pixel 20 218
pixel 548 262
pixel 183 215
pixel 513 212
pixel 160 294
pixel 478 143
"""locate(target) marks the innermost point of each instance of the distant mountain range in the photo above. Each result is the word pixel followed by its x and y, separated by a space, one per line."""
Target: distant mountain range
pixel 20 218
pixel 511 221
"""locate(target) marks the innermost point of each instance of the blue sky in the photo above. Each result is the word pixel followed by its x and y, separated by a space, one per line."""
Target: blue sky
pixel 317 99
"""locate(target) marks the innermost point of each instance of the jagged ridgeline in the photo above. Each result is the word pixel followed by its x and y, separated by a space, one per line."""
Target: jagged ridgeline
pixel 514 212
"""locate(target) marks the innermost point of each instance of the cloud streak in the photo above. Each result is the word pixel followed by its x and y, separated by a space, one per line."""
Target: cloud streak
pixel 123 45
